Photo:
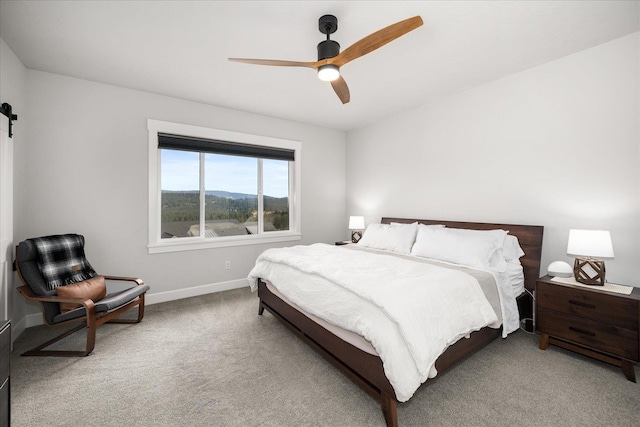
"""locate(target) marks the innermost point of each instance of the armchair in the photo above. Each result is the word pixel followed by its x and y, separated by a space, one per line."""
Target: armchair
pixel 48 263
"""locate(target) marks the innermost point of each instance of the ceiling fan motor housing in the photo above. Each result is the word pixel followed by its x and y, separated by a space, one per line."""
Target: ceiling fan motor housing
pixel 328 49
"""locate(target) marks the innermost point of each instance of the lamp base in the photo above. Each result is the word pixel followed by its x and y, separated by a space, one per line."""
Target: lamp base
pixel 356 236
pixel 589 271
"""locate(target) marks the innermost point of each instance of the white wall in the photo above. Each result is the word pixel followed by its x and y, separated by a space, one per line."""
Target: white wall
pixel 557 145
pixel 13 77
pixel 87 173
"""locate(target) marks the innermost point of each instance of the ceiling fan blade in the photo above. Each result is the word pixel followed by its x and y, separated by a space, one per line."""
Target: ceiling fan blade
pixel 275 62
pixel 375 40
pixel 341 89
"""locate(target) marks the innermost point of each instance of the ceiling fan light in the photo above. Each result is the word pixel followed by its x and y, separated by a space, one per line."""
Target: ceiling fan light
pixel 328 72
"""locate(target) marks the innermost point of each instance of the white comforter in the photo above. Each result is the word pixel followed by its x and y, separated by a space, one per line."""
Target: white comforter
pixel 414 311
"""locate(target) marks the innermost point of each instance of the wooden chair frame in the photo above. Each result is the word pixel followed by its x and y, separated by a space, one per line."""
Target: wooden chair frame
pixel 91 320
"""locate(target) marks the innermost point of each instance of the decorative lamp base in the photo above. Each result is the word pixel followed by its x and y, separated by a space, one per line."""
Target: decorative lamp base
pixel 589 271
pixel 356 236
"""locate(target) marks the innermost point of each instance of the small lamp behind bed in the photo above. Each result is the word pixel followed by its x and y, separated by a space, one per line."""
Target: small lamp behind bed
pixel 356 225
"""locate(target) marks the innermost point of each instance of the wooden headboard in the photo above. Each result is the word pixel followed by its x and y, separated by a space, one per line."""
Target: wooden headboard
pixel 529 236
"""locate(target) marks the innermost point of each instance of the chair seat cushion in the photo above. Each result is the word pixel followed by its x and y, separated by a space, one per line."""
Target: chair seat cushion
pixel 108 303
pixel 94 288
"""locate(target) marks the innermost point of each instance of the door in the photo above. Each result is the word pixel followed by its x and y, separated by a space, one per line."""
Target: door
pixel 6 217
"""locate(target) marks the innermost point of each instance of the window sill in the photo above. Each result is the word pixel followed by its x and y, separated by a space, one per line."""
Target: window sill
pixel 196 243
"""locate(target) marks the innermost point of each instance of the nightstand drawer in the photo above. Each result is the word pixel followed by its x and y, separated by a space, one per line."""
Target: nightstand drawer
pixel 607 338
pixel 608 309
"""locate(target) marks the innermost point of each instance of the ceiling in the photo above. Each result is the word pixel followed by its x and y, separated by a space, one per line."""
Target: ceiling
pixel 180 48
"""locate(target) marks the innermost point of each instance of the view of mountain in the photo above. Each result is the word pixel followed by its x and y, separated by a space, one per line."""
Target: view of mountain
pixel 217 193
pixel 223 194
pixel 229 195
pixel 184 206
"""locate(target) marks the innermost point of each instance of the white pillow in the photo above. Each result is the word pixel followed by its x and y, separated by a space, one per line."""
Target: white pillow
pixel 419 225
pixel 473 248
pixel 390 237
pixel 414 224
pixel 511 250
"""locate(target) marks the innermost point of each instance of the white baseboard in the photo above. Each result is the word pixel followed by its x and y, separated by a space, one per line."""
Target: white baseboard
pixel 30 320
pixel 35 319
pixel 155 298
pixel 17 328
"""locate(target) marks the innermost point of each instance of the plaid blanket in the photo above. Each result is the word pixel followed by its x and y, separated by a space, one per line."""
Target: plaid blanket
pixel 61 260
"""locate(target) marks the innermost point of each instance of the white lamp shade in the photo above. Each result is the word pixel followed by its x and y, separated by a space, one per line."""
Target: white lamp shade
pixel 590 243
pixel 356 223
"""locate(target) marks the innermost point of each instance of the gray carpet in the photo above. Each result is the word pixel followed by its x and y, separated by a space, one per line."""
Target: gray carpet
pixel 212 361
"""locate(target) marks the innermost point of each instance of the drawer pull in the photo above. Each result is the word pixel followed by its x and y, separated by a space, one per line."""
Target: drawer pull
pixel 582 331
pixel 581 304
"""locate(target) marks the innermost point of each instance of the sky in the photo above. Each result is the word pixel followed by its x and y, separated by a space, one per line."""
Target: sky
pixel 180 172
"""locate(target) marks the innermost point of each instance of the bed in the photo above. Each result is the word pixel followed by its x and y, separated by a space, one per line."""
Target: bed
pixel 364 366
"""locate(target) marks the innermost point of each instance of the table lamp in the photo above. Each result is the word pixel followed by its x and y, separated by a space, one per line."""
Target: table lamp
pixel 589 247
pixel 356 225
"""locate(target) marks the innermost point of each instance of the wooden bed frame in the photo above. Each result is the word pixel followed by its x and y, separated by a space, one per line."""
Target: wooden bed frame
pixel 365 369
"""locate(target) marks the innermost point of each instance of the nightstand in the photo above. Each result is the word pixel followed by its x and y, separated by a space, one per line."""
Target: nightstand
pixel 600 324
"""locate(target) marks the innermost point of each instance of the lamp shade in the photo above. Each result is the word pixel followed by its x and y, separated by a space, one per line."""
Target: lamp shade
pixel 356 223
pixel 590 243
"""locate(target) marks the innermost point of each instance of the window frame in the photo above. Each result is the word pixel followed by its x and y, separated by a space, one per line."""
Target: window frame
pixel 158 245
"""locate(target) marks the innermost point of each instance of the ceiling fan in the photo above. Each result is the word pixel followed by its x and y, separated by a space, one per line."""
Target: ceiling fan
pixel 330 59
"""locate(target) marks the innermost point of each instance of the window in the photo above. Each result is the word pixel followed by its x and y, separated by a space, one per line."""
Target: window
pixel 211 188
